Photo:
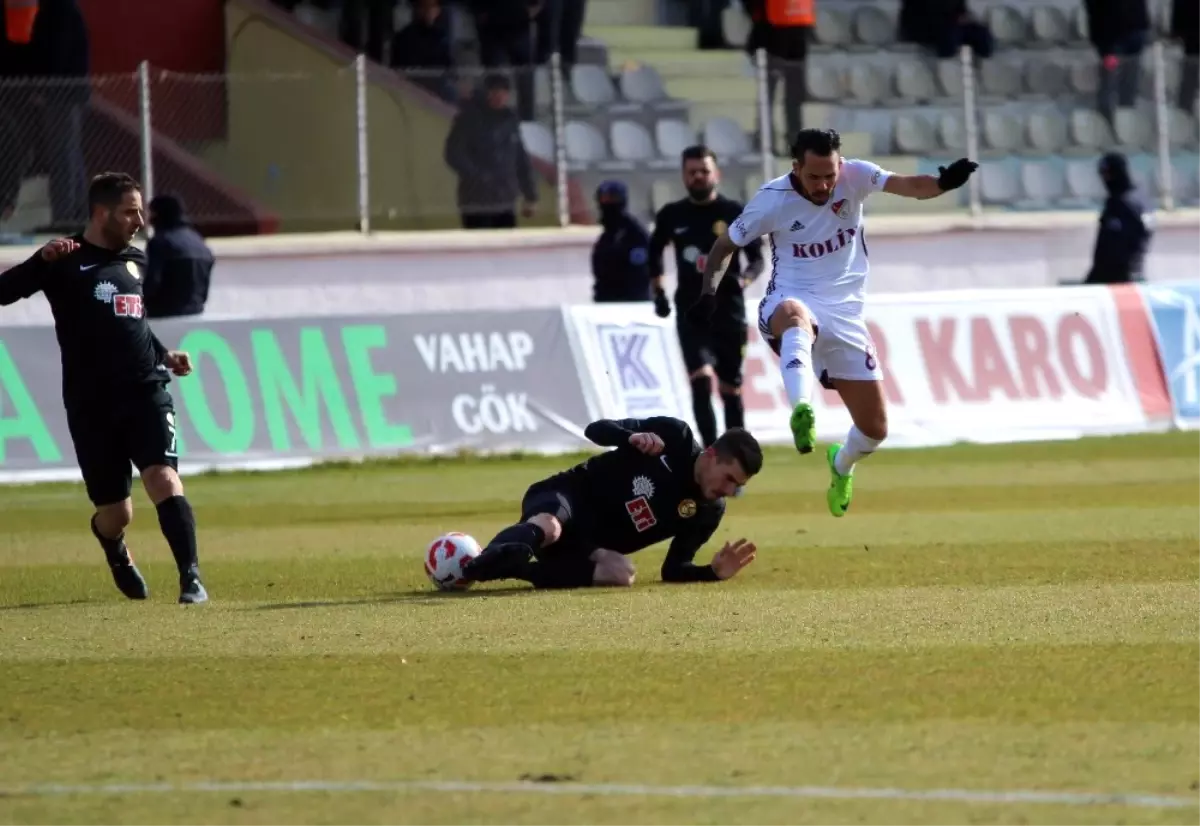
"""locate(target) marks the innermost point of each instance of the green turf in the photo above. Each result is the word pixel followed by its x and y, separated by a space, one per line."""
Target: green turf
pixel 985 618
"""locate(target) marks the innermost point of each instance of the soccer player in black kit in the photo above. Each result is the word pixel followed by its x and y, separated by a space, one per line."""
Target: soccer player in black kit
pixel 693 225
pixel 114 377
pixel 578 526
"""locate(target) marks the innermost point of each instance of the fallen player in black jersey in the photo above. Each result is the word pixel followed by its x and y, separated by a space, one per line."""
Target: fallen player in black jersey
pixel 578 526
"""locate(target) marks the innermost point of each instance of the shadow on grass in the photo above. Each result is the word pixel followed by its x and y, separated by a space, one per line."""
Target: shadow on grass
pixel 421 597
pixel 27 606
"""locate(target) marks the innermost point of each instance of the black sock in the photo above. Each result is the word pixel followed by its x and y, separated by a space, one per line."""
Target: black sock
pixel 702 408
pixel 525 533
pixel 114 549
pixel 735 410
pixel 179 527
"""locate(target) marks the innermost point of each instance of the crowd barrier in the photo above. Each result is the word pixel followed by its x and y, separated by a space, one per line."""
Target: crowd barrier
pixel 976 366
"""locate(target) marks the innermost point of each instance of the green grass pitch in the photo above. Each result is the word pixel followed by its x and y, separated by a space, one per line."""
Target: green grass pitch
pixel 1001 622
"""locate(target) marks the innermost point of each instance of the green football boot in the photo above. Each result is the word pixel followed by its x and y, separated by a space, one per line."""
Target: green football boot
pixel 841 488
pixel 804 427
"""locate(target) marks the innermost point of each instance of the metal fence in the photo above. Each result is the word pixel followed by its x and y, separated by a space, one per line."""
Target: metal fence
pixel 363 147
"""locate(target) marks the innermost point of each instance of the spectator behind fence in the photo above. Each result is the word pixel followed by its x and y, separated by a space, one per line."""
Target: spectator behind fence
pixel 944 26
pixel 178 263
pixel 1119 29
pixel 485 150
pixel 1124 236
pixel 43 69
pixel 505 29
pixel 424 48
pixel 782 28
pixel 1185 25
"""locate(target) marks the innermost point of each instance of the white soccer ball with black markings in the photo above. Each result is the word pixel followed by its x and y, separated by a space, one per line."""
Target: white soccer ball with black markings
pixel 445 557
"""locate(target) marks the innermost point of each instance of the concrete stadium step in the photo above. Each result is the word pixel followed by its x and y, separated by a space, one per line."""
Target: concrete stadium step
pixel 620 13
pixel 643 38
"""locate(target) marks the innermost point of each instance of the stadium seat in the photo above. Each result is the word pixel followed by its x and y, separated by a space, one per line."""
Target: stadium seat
pixel 591 86
pixel 950 78
pixel 867 84
pixel 585 144
pixel 672 137
pixel 1134 129
pixel 1007 25
pixel 1044 183
pixel 999 78
pixel 1181 129
pixel 1185 179
pixel 662 192
pixel 1001 131
pixel 1079 24
pixel 914 81
pixel 735 24
pixel 630 142
pixel 999 184
pixel 823 83
pixel 1046 77
pixel 873 26
pixel 952 133
pixel 643 86
pixel 1049 25
pixel 1084 78
pixel 913 135
pixel 1046 131
pixel 833 27
pixel 1083 183
pixel 1089 130
pixel 538 140
pixel 726 138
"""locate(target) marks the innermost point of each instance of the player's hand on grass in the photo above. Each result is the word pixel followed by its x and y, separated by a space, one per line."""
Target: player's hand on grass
pixel 178 362
pixel 647 443
pixel 733 557
pixel 701 310
pixel 955 175
pixel 59 248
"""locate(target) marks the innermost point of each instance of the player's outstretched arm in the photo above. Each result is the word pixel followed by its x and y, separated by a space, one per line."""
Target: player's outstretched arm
pixel 29 276
pixel 924 187
pixel 726 563
pixel 652 435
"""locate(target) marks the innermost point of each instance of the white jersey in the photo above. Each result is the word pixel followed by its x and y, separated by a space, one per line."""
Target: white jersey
pixel 817 252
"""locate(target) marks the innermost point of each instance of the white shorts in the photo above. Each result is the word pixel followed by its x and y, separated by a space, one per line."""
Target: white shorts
pixel 843 348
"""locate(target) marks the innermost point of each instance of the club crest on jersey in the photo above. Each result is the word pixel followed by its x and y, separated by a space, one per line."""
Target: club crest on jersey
pixel 841 208
pixel 642 486
pixel 687 508
pixel 105 291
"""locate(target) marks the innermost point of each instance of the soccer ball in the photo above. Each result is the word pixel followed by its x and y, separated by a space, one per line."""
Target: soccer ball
pixel 445 557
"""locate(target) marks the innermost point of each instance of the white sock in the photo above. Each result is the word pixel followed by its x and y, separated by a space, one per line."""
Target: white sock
pixel 795 363
pixel 856 448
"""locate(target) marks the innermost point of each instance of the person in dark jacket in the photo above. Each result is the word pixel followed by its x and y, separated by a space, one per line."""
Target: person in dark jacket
pixel 506 38
pixel 1185 25
pixel 1124 237
pixel 1119 30
pixel 178 263
pixel 620 256
pixel 944 26
pixel 423 52
pixel 485 150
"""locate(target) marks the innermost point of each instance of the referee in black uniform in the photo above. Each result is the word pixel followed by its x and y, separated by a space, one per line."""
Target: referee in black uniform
pixel 114 377
pixel 693 225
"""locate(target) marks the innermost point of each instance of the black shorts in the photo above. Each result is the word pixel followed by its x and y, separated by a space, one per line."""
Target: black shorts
pixel 722 346
pixel 568 562
pixel 134 427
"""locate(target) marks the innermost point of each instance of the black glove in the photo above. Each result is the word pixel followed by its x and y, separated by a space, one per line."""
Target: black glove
pixel 701 310
pixel 662 307
pixel 955 175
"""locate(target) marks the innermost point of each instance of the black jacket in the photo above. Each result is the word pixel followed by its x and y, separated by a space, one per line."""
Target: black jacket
pixel 484 149
pixel 427 52
pixel 1111 20
pixel 621 262
pixel 178 263
pixel 1123 238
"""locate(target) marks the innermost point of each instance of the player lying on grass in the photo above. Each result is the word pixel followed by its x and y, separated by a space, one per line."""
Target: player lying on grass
pixel 577 526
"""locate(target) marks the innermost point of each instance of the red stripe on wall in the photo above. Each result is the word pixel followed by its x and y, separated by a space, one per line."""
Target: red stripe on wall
pixel 1142 350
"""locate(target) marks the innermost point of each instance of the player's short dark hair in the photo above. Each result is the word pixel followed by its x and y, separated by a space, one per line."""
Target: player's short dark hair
pixel 108 188
pixel 820 142
pixel 696 153
pixel 738 443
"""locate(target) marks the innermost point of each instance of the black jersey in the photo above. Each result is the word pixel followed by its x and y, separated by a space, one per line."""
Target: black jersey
pixel 693 228
pixel 625 500
pixel 95 295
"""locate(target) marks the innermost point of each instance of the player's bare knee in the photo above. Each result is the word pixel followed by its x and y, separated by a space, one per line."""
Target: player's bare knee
pixel 551 527
pixel 791 314
pixel 161 483
pixel 875 427
pixel 112 520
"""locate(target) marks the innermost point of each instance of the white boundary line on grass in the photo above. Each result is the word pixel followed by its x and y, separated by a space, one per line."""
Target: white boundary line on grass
pixel 613 789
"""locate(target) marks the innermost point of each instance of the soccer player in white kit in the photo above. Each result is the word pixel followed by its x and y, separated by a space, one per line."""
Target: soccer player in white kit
pixel 812 314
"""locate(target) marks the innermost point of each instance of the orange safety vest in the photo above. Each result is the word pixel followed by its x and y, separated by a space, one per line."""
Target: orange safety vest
pixel 18 19
pixel 785 13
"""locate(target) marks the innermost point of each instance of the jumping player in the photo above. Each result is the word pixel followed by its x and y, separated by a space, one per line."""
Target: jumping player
pixel 812 314
pixel 577 526
pixel 114 377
